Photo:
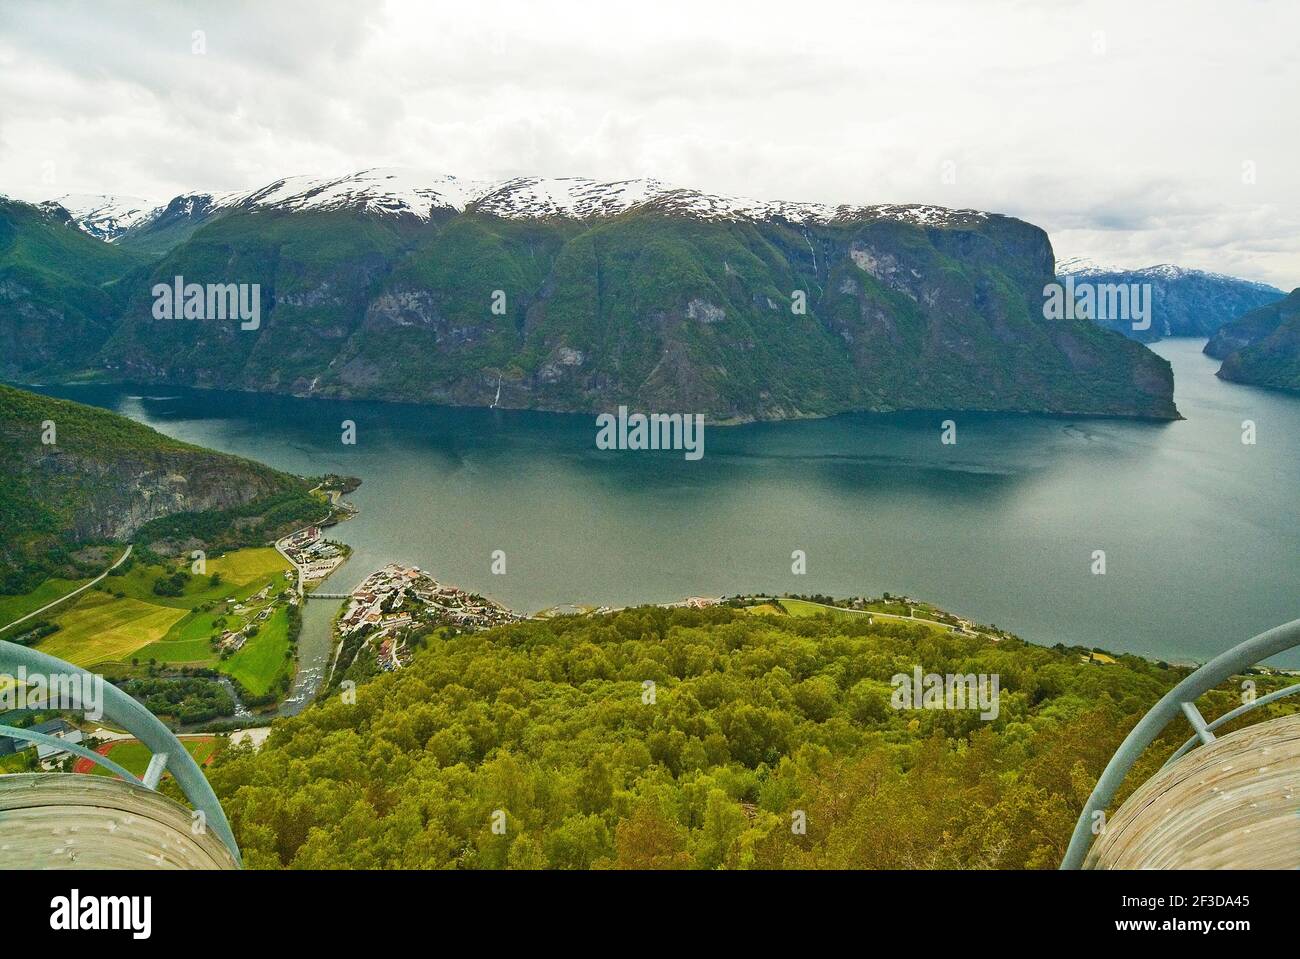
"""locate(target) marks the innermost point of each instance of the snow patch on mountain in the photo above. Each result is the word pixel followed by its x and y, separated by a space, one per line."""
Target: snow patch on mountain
pixel 1079 266
pixel 105 216
pixel 399 192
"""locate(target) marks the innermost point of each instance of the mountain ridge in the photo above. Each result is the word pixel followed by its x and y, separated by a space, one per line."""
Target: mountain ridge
pixel 1184 301
pixel 398 191
pixel 573 295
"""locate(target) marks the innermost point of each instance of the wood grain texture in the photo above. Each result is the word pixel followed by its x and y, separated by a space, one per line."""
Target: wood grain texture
pixel 70 821
pixel 1233 804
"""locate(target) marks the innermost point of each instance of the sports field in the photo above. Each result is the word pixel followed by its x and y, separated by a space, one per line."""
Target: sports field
pixel 133 755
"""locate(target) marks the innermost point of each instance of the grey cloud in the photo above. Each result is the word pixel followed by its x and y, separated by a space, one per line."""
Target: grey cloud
pixel 1132 153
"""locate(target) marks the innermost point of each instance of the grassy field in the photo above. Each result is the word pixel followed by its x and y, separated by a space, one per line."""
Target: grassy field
pixel 264 657
pixel 243 573
pixel 13 607
pixel 100 628
pixel 134 755
pixel 800 607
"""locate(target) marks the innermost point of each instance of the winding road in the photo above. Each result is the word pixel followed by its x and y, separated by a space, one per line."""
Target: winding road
pixel 68 596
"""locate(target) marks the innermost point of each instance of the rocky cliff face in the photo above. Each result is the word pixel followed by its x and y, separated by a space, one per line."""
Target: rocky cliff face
pixel 578 296
pixel 76 474
pixel 117 496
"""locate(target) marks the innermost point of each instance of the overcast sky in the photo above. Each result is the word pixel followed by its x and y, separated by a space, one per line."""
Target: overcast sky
pixel 1134 132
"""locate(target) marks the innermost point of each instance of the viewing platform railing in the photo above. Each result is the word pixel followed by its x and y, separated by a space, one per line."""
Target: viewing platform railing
pixel 168 754
pixel 1181 701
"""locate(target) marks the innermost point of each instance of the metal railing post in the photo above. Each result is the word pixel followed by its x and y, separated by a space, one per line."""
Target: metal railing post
pixel 126 712
pixel 1226 664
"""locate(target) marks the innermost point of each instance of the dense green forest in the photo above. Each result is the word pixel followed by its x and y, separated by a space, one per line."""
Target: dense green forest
pixel 544 727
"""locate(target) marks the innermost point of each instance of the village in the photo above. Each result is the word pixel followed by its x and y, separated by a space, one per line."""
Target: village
pixel 231 641
pixel 311 554
pixel 395 598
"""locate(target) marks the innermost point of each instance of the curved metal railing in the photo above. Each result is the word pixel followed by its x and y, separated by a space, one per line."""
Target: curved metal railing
pixel 168 753
pixel 1181 700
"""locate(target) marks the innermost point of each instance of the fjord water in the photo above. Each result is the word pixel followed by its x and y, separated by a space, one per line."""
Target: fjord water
pixel 1201 532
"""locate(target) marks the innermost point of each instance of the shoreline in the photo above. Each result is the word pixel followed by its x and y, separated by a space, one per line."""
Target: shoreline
pixel 727 422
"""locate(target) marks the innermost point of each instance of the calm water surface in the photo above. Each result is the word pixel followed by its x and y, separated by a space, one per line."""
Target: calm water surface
pixel 1201 532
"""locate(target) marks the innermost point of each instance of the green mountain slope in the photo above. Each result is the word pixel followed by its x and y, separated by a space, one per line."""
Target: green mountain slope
pixel 1262 347
pixel 659 307
pixel 657 310
pixel 55 312
pixel 546 728
pixel 105 478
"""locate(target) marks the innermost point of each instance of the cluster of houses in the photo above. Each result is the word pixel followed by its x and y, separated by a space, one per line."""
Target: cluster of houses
pixel 698 602
pixel 396 597
pixel 60 729
pixel 316 556
pixel 232 640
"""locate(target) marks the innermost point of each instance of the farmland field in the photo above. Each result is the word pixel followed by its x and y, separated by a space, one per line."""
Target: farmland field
pixel 800 607
pixel 264 657
pixel 15 607
pixel 246 570
pixel 101 628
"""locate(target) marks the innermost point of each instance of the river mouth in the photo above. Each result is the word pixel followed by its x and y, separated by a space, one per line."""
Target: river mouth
pixel 1200 531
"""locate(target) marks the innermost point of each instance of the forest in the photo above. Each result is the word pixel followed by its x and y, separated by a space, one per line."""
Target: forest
pixel 701 739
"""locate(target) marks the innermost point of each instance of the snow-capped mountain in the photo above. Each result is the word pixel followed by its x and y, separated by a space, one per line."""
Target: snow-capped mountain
pixel 631 291
pixel 1185 302
pixel 1079 266
pixel 399 192
pixel 104 216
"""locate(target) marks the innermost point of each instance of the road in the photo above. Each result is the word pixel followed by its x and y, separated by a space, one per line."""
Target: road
pixel 68 596
pixel 289 559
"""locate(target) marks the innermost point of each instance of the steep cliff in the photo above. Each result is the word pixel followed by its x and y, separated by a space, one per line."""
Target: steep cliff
pixel 101 477
pixel 578 296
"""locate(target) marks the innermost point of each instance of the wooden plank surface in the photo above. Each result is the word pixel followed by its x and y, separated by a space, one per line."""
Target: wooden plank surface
pixel 71 821
pixel 1234 804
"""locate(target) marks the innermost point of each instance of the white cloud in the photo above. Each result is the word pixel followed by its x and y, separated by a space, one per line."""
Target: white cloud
pixel 1121 128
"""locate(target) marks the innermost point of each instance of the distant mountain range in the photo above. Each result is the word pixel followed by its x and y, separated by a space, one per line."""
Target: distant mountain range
pixel 1262 347
pixel 564 294
pixel 1183 302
